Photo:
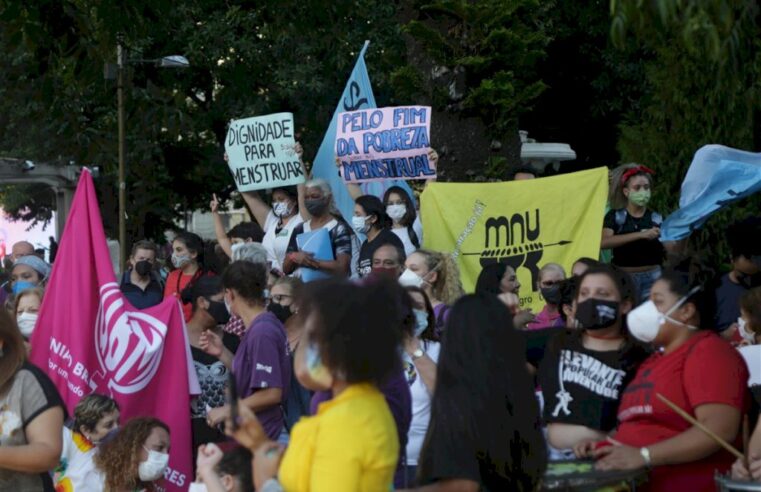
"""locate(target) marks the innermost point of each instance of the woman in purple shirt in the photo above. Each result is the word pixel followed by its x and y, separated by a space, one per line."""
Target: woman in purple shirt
pixel 261 366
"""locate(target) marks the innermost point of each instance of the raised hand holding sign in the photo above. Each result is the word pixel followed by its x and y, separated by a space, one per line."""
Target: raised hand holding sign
pixel 385 143
pixel 262 153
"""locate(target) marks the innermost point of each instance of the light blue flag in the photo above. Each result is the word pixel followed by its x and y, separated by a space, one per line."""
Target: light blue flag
pixel 358 94
pixel 717 177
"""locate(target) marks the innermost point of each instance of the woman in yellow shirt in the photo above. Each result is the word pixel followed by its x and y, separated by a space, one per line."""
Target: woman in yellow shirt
pixel 354 334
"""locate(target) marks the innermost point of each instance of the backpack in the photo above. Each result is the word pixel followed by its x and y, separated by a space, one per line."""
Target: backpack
pixel 621 214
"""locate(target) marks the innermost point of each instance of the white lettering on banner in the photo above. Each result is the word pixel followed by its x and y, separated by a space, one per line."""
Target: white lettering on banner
pixel 129 345
pixel 590 373
pixel 635 410
pixel 174 477
pixel 61 350
pixel 262 367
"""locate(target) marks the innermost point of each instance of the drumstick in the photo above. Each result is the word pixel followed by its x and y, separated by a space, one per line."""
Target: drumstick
pixel 689 418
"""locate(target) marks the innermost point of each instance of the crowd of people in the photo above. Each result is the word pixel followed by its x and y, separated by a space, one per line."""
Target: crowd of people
pixel 387 375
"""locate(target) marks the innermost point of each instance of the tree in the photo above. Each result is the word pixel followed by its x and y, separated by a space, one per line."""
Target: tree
pixel 475 63
pixel 702 71
pixel 246 59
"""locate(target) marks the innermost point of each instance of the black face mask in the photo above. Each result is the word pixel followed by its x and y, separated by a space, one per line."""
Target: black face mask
pixel 596 314
pixel 744 279
pixel 551 294
pixel 316 207
pixel 143 268
pixel 281 312
pixel 218 311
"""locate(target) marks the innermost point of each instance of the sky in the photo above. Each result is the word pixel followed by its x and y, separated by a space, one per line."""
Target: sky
pixel 12 232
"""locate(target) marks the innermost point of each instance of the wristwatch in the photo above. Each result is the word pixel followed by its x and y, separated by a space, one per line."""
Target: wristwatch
pixel 417 354
pixel 646 456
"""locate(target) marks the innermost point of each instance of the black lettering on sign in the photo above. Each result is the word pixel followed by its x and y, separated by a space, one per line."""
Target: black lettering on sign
pixel 515 241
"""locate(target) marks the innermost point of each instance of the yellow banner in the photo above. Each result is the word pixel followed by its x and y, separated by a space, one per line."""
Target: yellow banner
pixel 525 224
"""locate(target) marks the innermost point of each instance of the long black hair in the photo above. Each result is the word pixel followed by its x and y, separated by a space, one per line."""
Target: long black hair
pixel 689 277
pixel 411 214
pixel 193 243
pixel 372 205
pixel 485 401
pixel 490 278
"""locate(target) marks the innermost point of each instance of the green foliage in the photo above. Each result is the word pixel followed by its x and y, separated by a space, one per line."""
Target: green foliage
pixel 246 59
pixel 702 77
pixel 493 47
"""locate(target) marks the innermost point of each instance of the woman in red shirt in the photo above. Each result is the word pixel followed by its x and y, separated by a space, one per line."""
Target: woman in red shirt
pixel 695 369
pixel 187 259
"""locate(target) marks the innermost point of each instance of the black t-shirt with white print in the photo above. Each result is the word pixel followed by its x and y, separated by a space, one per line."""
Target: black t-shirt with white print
pixel 582 386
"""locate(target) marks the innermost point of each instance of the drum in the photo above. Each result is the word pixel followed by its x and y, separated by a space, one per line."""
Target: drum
pixel 724 483
pixel 580 475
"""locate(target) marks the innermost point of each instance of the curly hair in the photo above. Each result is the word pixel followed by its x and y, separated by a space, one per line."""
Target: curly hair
pixel 91 409
pixel 447 287
pixel 119 458
pixel 359 328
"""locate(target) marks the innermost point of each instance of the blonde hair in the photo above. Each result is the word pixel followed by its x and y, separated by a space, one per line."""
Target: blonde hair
pixel 447 288
pixel 293 283
pixel 616 195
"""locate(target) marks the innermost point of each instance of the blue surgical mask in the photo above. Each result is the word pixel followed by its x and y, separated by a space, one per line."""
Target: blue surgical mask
pixel 421 321
pixel 22 285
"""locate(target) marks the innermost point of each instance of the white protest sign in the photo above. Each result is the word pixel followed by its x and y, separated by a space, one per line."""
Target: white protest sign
pixel 261 152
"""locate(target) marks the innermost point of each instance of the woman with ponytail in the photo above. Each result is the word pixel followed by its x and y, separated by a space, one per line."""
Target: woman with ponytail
pixel 438 275
pixel 631 230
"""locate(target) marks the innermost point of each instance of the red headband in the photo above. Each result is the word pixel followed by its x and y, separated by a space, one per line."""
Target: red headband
pixel 635 170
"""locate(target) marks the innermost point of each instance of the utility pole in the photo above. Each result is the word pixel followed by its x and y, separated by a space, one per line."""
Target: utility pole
pixel 122 179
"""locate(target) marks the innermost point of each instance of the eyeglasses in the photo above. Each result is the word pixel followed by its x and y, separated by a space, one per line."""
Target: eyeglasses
pixel 278 298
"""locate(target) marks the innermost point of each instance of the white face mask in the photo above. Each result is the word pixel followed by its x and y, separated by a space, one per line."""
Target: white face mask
pixel 411 279
pixel 281 209
pixel 197 487
pixel 645 321
pixel 360 225
pixel 747 335
pixel 396 212
pixel 26 322
pixel 153 468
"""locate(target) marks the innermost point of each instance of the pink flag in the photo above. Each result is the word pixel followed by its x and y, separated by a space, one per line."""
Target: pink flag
pixel 90 339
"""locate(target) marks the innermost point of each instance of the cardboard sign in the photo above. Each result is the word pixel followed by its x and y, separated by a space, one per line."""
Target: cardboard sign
pixel 385 143
pixel 261 152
